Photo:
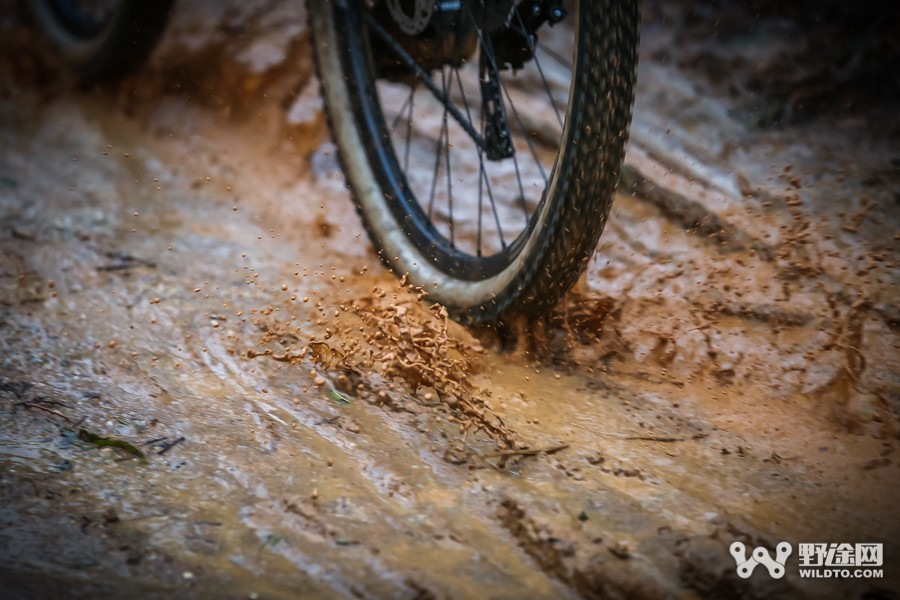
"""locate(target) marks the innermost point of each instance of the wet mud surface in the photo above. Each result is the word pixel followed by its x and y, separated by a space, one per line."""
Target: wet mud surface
pixel 183 277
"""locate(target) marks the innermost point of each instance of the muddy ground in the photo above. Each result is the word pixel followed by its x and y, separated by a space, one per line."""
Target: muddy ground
pixel 181 269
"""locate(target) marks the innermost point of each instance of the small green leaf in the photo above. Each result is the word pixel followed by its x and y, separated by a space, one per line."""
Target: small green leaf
pixel 92 438
pixel 338 397
pixel 342 541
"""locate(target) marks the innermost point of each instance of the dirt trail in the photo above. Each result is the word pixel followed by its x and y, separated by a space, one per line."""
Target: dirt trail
pixel 181 269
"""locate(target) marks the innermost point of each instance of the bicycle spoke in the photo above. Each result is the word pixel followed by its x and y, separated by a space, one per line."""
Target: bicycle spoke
pixel 540 70
pixel 420 73
pixel 437 159
pixel 409 122
pixel 447 157
pixel 482 174
pixel 493 64
pixel 481 178
pixel 559 58
pixel 480 211
pixel 516 162
pixel 525 134
pixel 437 167
pixel 396 121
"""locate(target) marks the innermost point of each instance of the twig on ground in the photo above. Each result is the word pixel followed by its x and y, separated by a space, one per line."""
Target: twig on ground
pixel 169 445
pixel 32 404
pixel 527 451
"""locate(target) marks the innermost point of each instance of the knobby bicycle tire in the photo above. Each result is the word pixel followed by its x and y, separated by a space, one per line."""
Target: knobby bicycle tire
pixel 563 232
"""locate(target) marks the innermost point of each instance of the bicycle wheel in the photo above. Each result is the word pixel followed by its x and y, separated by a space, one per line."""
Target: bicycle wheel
pixel 100 39
pixel 481 139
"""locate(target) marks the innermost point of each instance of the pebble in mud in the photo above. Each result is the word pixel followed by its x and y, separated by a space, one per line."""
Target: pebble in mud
pixel 343 383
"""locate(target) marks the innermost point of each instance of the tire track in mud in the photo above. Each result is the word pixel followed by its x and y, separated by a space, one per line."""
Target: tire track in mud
pixel 693 216
pixel 599 579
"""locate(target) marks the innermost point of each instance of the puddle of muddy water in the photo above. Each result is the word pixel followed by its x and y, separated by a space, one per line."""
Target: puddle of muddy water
pixel 726 370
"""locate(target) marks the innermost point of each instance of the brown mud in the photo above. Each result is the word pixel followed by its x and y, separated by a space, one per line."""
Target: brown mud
pixel 182 276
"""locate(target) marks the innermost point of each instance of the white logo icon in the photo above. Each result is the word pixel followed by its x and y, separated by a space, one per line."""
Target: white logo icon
pixel 760 556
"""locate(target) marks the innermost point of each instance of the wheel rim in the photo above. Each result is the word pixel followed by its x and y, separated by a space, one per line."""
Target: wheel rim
pixel 471 219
